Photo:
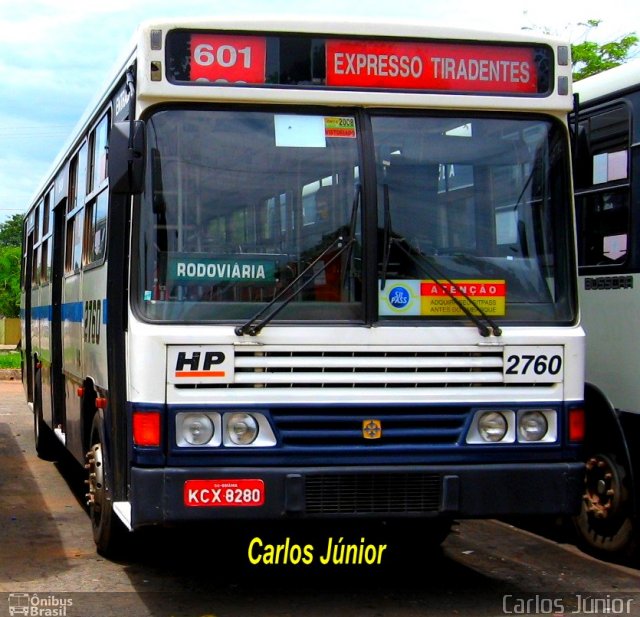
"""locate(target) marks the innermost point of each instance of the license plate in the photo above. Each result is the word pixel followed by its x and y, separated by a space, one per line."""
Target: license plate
pixel 240 493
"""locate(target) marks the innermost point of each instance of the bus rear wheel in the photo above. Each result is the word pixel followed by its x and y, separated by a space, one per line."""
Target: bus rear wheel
pixel 605 524
pixel 108 531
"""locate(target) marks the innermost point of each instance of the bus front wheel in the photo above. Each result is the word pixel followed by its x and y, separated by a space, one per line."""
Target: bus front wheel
pixel 108 531
pixel 605 524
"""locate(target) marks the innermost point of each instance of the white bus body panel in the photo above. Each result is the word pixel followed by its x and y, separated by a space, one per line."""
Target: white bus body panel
pixel 150 350
pixel 612 327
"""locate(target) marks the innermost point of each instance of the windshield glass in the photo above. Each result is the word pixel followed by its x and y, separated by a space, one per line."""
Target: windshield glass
pixel 242 208
pixel 472 211
pixel 241 204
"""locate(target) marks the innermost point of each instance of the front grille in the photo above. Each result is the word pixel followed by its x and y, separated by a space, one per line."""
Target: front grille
pixel 275 368
pixel 391 493
pixel 340 427
pixel 304 374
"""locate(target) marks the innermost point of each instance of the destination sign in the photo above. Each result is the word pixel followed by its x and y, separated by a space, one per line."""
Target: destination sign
pixel 431 66
pixel 191 268
pixel 465 67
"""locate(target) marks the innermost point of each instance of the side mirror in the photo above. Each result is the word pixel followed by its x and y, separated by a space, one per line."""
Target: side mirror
pixel 126 157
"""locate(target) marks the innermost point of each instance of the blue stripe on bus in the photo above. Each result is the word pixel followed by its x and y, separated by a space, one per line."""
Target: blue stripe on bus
pixel 42 312
pixel 71 311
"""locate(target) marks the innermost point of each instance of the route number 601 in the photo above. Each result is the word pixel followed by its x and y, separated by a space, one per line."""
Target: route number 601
pixel 228 59
pixel 531 364
pixel 227 56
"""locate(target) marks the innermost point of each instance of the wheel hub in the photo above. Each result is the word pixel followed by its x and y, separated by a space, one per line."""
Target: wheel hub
pixel 603 494
pixel 94 465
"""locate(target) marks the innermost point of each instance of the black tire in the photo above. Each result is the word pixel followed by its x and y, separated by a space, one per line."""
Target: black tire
pixel 109 533
pixel 605 525
pixel 47 446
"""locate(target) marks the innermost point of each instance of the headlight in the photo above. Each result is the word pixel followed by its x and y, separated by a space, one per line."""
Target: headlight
pixel 537 425
pixel 532 425
pixel 242 428
pixel 508 426
pixel 195 429
pixel 492 426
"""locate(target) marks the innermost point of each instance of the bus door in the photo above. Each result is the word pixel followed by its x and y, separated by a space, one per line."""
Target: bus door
pixel 57 376
pixel 27 361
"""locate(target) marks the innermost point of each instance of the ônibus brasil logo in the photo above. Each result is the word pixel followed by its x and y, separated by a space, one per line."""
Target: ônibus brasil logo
pixel 37 605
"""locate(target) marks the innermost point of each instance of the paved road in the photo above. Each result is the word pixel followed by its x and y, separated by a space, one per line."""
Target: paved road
pixel 485 568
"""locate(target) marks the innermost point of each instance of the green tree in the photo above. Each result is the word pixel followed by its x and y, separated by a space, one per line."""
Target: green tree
pixel 10 260
pixel 10 257
pixel 589 58
pixel 11 231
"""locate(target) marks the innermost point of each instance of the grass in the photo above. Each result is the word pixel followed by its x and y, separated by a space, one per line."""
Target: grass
pixel 9 359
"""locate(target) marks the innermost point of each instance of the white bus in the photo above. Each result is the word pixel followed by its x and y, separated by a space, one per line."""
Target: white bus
pixel 303 270
pixel 607 177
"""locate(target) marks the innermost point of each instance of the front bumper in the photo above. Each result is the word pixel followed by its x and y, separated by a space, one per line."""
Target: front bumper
pixel 158 496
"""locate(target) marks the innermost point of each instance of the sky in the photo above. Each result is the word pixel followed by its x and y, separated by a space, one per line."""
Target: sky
pixel 55 55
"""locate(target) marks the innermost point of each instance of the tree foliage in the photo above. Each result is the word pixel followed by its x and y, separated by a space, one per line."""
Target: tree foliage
pixel 11 231
pixel 10 259
pixel 590 58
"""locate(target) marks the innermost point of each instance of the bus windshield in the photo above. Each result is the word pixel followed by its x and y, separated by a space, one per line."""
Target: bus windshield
pixel 244 207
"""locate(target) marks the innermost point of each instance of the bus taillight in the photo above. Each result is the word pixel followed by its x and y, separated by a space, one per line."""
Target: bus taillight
pixel 576 424
pixel 146 428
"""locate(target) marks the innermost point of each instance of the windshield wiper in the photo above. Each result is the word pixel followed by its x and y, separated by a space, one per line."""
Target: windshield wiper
pixel 253 330
pixel 437 275
pixel 249 328
pixel 389 240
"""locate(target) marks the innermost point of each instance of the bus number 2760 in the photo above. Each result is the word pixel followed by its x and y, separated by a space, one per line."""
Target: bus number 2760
pixel 92 319
pixel 531 364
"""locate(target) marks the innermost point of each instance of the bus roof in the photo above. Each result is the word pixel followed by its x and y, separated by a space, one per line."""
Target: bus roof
pixel 388 27
pixel 609 82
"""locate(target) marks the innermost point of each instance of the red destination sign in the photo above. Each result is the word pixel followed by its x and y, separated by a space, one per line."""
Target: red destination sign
pixel 228 59
pixel 431 66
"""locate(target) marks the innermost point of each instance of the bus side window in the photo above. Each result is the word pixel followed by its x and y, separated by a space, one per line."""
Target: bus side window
pixel 96 228
pixel 78 187
pixel 74 237
pixel 604 218
pixel 602 187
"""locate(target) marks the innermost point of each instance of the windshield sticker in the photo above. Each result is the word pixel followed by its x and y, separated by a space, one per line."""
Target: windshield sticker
pixel 399 298
pixel 340 127
pixel 198 269
pixel 441 298
pixel 299 131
